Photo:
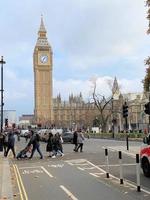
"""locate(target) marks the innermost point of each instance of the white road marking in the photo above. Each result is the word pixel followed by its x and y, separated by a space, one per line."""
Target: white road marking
pixel 75 161
pixel 29 167
pixel 68 192
pixel 125 181
pixel 94 175
pixel 117 165
pixel 35 171
pixel 50 175
pixel 88 168
pixel 56 166
pixel 97 174
pixel 80 168
pixel 81 164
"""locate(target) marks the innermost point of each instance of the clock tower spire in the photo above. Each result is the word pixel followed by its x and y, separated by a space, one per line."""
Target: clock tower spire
pixel 42 65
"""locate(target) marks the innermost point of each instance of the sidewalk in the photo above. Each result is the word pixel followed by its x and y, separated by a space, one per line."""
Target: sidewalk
pixel 5 179
pixel 133 150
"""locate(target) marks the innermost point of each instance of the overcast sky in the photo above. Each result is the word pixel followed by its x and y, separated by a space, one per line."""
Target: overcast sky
pixel 89 39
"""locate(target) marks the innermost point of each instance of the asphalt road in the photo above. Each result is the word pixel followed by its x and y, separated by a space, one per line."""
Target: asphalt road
pixel 79 176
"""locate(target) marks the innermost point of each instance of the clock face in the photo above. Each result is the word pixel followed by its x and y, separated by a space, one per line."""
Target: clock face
pixel 43 58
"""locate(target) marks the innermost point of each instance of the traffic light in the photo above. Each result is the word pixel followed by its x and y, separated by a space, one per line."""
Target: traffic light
pixel 6 122
pixel 147 108
pixel 125 110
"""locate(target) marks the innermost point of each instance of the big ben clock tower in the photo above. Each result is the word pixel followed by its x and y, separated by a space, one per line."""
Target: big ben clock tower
pixel 42 64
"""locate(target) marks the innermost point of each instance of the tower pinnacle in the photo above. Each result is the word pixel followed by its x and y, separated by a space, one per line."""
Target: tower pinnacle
pixel 115 89
pixel 42 39
pixel 42 27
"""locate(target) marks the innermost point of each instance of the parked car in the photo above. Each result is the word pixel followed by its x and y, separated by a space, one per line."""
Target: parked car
pixel 43 133
pixel 24 133
pixel 67 137
pixel 145 156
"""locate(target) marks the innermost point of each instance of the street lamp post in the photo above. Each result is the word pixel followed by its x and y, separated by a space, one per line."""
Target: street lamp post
pixel 2 62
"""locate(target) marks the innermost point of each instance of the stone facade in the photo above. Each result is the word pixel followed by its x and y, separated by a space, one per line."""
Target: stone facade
pixel 137 119
pixel 73 113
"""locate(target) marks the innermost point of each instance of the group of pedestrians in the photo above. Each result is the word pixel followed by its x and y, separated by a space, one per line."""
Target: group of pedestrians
pixel 53 147
pixel 9 144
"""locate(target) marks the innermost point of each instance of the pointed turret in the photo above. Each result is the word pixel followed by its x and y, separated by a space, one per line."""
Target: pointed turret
pixel 42 39
pixel 42 27
pixel 115 89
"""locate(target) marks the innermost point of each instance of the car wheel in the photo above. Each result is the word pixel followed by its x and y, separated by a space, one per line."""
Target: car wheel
pixel 146 167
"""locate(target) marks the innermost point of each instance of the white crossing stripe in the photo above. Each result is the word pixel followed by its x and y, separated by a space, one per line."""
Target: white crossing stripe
pixel 97 174
pixel 50 175
pixel 68 192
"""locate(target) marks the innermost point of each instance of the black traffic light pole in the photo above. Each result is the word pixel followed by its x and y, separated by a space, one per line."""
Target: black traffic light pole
pixel 127 138
pixel 147 111
pixel 113 130
pixel 125 115
pixel 2 90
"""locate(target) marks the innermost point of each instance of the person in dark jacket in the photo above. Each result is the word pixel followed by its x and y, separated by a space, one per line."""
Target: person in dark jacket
pixel 5 142
pixel 11 144
pixel 35 140
pixel 57 146
pixel 75 141
pixel 80 141
pixel 49 146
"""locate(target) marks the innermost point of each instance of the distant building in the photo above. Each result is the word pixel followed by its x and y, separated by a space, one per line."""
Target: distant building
pixel 73 113
pixel 137 119
pixel 10 115
pixel 25 121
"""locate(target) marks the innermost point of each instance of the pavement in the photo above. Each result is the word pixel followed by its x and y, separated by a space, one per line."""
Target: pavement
pixel 132 150
pixel 5 179
pixel 6 191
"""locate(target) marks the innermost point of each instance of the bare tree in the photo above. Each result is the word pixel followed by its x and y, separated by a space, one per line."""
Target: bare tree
pixel 103 105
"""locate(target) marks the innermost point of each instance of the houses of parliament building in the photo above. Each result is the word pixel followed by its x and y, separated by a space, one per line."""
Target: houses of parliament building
pixel 75 111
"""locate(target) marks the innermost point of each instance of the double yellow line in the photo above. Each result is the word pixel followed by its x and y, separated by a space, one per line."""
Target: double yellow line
pixel 23 194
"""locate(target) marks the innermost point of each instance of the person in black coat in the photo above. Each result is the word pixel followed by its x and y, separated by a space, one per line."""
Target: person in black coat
pixel 49 146
pixel 75 141
pixel 35 140
pixel 5 142
pixel 11 144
